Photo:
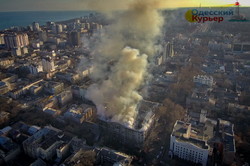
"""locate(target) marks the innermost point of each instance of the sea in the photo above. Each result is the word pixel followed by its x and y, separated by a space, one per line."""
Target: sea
pixel 25 18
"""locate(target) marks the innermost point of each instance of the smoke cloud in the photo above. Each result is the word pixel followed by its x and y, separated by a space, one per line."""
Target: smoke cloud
pixel 122 58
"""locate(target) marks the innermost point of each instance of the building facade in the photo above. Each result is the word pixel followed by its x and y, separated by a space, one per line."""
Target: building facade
pixel 129 137
pixel 168 51
pixel 75 38
pixel 48 65
pixel 185 145
pixel 16 40
pixel 36 26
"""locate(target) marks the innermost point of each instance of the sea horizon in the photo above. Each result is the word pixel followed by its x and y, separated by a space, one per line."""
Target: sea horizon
pixel 25 18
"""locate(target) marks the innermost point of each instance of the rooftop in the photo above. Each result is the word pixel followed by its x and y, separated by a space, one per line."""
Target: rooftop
pixel 112 154
pixel 203 77
pixel 180 128
pixel 49 142
pixel 184 132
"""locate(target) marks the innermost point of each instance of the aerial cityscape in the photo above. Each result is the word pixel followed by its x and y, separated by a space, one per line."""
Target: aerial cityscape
pixel 124 83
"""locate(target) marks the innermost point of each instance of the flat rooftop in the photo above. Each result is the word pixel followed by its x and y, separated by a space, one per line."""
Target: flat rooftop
pixel 181 128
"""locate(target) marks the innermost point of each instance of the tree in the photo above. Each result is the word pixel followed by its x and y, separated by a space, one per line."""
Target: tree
pixel 170 112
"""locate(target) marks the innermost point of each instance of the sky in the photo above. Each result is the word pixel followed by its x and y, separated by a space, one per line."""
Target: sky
pixel 51 5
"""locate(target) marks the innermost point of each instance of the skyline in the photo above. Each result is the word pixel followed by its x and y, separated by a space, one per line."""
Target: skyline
pixel 76 5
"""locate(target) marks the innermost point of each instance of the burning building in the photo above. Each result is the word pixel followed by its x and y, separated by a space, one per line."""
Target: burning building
pixel 130 137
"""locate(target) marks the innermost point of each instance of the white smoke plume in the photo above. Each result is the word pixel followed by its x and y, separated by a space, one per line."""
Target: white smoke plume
pixel 121 60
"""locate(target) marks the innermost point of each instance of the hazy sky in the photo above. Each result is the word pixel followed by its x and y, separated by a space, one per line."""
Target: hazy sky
pixel 40 5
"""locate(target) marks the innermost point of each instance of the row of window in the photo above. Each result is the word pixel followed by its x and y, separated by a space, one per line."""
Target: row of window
pixel 188 154
pixel 187 157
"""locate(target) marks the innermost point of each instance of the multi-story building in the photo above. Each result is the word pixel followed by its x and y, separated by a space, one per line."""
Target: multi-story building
pixel 203 79
pixel 197 116
pixel 35 68
pixel 203 137
pixel 241 47
pixel 79 91
pixel 75 38
pixel 198 99
pixel 48 64
pixel 64 97
pixel 6 62
pixel 185 145
pixel 9 150
pixel 49 24
pixel 48 102
pixel 4 116
pixel 168 51
pixel 87 71
pixel 59 28
pixel 2 39
pixel 36 26
pixel 3 87
pixel 19 51
pixel 79 114
pixel 225 141
pixel 10 78
pixel 16 40
pixel 16 93
pixel 71 77
pixel 130 137
pixel 105 155
pixel 53 87
pixel 44 143
pixel 42 36
pixel 36 89
pixel 53 28
pixel 51 111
